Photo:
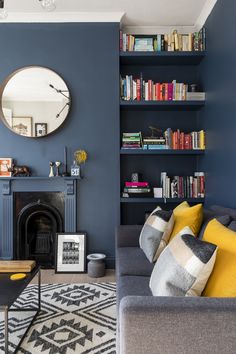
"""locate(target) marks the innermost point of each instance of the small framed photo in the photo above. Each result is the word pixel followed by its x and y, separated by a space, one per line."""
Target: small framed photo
pixel 41 129
pixel 70 253
pixel 5 166
pixel 22 125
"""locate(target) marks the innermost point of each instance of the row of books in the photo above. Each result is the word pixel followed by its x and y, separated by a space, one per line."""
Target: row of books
pixel 175 140
pixel 178 140
pixel 138 89
pixel 164 42
pixel 183 186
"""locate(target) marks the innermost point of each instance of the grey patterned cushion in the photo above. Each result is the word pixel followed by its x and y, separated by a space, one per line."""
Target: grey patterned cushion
pixel 184 266
pixel 156 232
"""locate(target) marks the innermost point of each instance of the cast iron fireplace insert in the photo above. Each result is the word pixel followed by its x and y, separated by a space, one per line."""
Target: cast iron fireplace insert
pixel 38 217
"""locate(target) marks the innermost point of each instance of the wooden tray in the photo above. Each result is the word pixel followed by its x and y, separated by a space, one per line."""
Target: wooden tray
pixel 16 266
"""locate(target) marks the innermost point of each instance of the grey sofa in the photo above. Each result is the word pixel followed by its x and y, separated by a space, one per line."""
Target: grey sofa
pixel 167 325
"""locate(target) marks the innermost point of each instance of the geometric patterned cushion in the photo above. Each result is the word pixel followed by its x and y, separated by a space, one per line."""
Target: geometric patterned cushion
pixel 155 233
pixel 184 266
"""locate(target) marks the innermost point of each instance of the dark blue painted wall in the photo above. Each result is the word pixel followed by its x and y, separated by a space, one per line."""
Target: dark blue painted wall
pixel 218 75
pixel 87 57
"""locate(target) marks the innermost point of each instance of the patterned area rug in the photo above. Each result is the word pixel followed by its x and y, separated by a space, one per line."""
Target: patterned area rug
pixel 74 318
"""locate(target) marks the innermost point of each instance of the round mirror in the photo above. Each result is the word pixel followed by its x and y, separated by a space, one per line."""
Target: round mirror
pixel 35 101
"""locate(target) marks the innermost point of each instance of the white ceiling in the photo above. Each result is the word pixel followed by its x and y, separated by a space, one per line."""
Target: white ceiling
pixel 136 12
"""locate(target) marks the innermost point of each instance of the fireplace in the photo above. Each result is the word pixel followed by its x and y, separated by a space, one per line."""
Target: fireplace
pixel 38 217
pixel 38 207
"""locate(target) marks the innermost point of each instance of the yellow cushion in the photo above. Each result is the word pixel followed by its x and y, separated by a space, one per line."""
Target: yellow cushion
pixel 187 216
pixel 222 282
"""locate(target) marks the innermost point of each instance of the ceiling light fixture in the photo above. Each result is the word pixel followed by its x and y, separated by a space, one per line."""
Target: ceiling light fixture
pixel 3 13
pixel 48 5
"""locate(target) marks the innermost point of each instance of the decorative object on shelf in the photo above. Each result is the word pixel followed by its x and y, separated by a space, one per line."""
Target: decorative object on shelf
pixel 5 166
pixel 75 169
pixel 81 157
pixel 70 252
pixel 40 129
pixel 57 164
pixel 136 177
pixel 65 173
pixel 96 265
pixel 157 192
pixel 48 5
pixel 51 164
pixel 22 125
pixel 20 171
pixel 33 85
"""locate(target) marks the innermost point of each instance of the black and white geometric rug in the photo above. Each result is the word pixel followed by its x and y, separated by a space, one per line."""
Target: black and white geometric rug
pixel 74 318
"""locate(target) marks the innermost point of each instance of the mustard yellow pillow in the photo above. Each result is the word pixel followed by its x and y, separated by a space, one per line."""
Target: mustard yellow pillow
pixel 187 216
pixel 222 282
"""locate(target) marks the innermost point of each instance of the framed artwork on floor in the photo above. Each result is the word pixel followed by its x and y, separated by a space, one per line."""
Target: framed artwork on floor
pixel 70 254
pixel 22 125
pixel 41 129
pixel 5 166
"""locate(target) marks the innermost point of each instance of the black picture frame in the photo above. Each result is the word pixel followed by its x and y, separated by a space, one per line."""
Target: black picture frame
pixel 80 238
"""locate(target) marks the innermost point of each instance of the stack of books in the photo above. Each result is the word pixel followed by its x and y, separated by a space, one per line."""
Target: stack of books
pixel 131 141
pixel 154 143
pixel 183 186
pixel 178 140
pixel 168 42
pixel 137 89
pixel 137 190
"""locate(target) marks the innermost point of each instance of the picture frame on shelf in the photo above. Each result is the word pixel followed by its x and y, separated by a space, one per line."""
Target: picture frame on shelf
pixel 41 129
pixel 5 166
pixel 22 125
pixel 70 252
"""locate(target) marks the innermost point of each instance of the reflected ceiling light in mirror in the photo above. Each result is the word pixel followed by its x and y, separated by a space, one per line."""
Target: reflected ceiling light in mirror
pixel 48 5
pixel 3 13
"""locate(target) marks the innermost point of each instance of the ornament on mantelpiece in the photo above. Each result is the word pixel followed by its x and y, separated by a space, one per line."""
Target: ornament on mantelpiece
pixel 81 157
pixel 58 164
pixel 51 174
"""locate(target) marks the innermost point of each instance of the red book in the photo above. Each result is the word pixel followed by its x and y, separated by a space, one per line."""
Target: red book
pixel 181 141
pixel 166 92
pixel 178 139
pixel 138 90
pixel 170 92
pixel 136 184
pixel 149 90
pixel 188 142
pixel 158 91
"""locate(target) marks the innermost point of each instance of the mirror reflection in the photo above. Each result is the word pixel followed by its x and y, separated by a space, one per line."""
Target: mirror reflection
pixel 35 101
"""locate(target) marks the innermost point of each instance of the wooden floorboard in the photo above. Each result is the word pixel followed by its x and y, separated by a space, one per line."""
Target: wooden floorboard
pixel 48 276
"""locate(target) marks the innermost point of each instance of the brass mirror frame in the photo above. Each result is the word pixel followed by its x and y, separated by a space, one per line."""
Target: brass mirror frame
pixel 2 87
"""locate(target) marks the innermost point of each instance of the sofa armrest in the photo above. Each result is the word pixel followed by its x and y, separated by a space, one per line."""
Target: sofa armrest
pixel 174 325
pixel 128 235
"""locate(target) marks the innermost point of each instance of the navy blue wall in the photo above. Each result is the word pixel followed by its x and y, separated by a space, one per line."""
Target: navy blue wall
pixel 87 57
pixel 218 75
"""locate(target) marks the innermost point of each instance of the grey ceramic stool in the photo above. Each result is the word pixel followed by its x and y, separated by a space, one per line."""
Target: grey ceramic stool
pixel 96 265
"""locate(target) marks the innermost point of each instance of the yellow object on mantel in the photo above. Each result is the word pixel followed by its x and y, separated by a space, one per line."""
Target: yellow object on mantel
pixel 18 276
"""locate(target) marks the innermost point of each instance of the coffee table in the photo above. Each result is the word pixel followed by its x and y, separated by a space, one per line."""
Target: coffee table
pixel 10 291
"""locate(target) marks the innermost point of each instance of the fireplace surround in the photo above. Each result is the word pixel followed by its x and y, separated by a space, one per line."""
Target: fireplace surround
pixel 33 210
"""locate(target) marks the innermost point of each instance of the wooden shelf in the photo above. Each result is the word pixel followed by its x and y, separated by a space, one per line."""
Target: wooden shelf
pixel 161 152
pixel 162 105
pixel 161 200
pixel 161 58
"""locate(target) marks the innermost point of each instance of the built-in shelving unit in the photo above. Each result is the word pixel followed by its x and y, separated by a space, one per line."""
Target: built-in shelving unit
pixel 138 115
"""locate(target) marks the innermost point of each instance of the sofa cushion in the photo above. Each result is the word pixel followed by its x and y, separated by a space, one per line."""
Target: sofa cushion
pixel 222 282
pixel 156 232
pixel 132 261
pixel 224 220
pixel 184 266
pixel 219 210
pixel 187 216
pixel 232 226
pixel 132 285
